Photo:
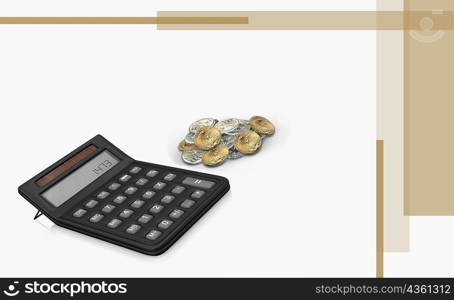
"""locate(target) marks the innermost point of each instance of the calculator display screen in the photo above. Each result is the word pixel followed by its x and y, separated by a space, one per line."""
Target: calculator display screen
pixel 80 178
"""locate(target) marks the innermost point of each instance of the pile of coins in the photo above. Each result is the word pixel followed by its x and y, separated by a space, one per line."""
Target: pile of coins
pixel 212 142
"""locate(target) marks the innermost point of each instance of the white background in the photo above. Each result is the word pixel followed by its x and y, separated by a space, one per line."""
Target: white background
pixel 305 206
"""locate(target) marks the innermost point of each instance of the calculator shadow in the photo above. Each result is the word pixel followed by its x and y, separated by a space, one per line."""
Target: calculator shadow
pixel 94 243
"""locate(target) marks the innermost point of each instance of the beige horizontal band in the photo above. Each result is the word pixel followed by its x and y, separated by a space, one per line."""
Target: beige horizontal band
pixel 123 20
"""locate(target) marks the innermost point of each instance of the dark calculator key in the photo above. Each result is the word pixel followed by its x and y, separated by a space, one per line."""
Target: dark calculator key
pixel 131 190
pixel 165 224
pixel 91 203
pixel 176 213
pixel 159 185
pixel 178 189
pixel 103 195
pixel 187 203
pixel 152 173
pixel 135 170
pixel 133 229
pixel 108 208
pixel 120 199
pixel 142 181
pixel 198 183
pixel 156 208
pixel 145 218
pixel 137 204
pixel 198 194
pixel 126 213
pixel 153 235
pixel 148 194
pixel 114 186
pixel 125 178
pixel 114 223
pixel 167 199
pixel 96 218
pixel 79 213
pixel 170 177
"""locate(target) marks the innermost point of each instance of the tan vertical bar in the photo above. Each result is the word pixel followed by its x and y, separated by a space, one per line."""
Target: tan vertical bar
pixel 379 213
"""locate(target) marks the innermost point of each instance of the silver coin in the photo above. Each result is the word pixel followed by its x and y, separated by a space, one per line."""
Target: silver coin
pixel 192 157
pixel 228 140
pixel 235 154
pixel 189 138
pixel 227 126
pixel 202 123
pixel 242 125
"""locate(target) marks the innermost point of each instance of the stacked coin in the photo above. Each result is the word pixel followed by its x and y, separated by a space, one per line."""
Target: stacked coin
pixel 212 142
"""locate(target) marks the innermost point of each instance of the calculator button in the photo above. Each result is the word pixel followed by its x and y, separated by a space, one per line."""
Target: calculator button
pixel 198 183
pixel 165 224
pixel 126 213
pixel 125 178
pixel 142 181
pixel 152 173
pixel 170 177
pixel 108 208
pixel 159 185
pixel 153 235
pixel 145 218
pixel 176 213
pixel 137 204
pixel 178 189
pixel 133 229
pixel 131 190
pixel 96 218
pixel 120 199
pixel 135 170
pixel 148 194
pixel 156 208
pixel 91 203
pixel 198 194
pixel 103 195
pixel 187 203
pixel 114 223
pixel 79 213
pixel 114 186
pixel 167 199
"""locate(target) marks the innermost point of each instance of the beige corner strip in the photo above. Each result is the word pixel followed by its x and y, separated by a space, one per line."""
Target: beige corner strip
pixel 316 20
pixel 379 210
pixel 126 20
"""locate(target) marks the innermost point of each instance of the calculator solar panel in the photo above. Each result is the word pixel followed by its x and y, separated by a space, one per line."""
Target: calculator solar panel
pixel 108 195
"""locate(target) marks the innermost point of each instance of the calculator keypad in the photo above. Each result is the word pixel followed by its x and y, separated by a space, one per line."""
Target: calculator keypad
pixel 144 203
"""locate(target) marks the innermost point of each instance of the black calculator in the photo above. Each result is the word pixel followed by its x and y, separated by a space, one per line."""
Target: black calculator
pixel 100 191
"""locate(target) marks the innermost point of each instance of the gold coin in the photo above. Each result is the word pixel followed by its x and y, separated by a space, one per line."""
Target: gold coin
pixel 247 142
pixel 207 138
pixel 185 146
pixel 215 156
pixel 262 125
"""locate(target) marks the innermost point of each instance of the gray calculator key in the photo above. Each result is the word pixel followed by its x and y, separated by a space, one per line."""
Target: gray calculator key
pixel 125 178
pixel 187 203
pixel 145 218
pixel 135 170
pixel 170 177
pixel 79 213
pixel 133 229
pixel 156 208
pixel 167 199
pixel 153 235
pixel 198 194
pixel 131 190
pixel 114 223
pixel 126 213
pixel 120 199
pixel 178 189
pixel 176 213
pixel 198 183
pixel 103 195
pixel 142 181
pixel 96 218
pixel 91 203
pixel 148 194
pixel 138 203
pixel 159 185
pixel 165 224
pixel 108 208
pixel 114 186
pixel 152 173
